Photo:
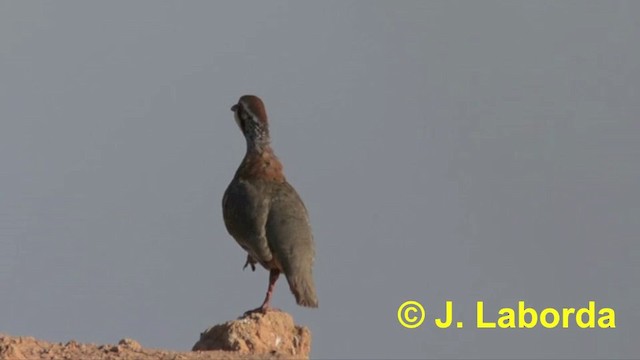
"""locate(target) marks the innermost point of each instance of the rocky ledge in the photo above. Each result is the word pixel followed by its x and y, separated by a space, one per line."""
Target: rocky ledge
pixel 273 335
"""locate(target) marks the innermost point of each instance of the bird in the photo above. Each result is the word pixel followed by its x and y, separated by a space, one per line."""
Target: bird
pixel 265 214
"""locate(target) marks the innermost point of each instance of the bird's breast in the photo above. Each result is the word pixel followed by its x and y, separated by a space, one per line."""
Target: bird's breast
pixel 265 166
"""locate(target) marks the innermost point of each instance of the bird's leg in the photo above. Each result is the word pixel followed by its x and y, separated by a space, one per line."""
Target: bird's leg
pixel 250 261
pixel 273 277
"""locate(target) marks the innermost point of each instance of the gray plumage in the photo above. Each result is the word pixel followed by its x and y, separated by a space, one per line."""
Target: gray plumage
pixel 265 214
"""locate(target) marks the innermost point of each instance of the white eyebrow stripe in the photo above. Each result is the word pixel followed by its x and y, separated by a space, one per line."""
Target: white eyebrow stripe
pixel 253 116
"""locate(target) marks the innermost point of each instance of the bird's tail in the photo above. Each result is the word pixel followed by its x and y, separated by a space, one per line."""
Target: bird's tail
pixel 302 286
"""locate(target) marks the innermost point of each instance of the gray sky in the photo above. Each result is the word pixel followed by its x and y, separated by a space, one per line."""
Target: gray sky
pixel 445 150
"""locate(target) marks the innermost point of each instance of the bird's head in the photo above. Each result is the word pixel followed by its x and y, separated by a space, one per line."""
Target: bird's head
pixel 251 117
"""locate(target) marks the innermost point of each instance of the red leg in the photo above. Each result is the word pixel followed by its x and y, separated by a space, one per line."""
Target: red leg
pixel 273 277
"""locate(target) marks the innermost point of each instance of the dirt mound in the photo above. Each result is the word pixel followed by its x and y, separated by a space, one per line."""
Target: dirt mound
pixel 257 336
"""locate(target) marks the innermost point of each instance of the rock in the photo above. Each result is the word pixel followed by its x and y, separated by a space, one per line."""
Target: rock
pixel 129 344
pixel 258 334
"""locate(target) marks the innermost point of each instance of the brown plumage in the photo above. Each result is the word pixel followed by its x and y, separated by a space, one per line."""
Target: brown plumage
pixel 265 214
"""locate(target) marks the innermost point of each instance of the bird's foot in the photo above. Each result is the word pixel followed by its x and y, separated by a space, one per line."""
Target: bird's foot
pixel 273 277
pixel 260 310
pixel 250 261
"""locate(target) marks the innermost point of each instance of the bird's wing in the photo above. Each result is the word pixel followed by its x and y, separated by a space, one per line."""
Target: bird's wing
pixel 245 214
pixel 291 241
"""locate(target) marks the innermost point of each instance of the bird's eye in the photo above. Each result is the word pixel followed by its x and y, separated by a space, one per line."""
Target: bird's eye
pixel 239 116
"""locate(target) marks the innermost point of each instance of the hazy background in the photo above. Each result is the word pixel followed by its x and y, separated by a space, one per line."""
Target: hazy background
pixel 445 150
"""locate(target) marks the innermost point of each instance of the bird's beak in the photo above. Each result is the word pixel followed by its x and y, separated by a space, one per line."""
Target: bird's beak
pixel 234 108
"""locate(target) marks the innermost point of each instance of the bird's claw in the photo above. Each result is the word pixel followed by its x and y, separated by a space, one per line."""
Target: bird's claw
pixel 261 310
pixel 250 261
